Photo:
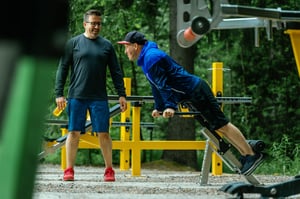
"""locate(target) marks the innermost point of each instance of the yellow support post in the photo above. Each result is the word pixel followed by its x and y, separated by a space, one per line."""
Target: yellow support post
pixel 295 40
pixel 125 133
pixel 217 88
pixel 63 156
pixel 136 138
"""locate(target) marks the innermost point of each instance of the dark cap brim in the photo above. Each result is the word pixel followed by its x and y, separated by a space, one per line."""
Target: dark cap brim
pixel 123 42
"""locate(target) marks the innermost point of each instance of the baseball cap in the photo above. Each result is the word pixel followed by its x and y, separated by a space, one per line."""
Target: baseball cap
pixel 134 37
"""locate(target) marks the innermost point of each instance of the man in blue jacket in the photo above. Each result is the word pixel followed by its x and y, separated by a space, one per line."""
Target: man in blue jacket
pixel 172 84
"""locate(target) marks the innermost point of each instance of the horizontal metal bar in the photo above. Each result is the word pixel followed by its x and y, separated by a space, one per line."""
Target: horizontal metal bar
pixel 160 145
pixel 290 15
pixel 150 99
pixel 132 98
pixel 267 13
pixel 188 113
pixel 56 122
pixel 241 23
pixel 129 124
pixel 234 100
pixel 238 10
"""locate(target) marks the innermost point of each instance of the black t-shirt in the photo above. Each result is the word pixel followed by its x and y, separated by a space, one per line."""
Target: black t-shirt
pixel 88 60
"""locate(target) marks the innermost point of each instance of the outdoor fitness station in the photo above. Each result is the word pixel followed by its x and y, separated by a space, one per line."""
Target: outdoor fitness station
pixel 133 143
pixel 197 18
pixel 25 65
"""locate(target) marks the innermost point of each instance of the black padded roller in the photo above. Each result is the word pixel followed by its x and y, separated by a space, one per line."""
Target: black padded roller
pixel 257 145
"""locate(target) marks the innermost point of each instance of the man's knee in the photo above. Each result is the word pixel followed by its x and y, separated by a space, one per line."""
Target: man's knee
pixel 104 136
pixel 224 129
pixel 74 135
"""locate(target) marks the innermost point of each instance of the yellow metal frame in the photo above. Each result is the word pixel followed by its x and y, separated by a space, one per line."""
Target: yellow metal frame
pixel 63 156
pixel 217 88
pixel 136 145
pixel 125 133
pixel 295 40
pixel 90 141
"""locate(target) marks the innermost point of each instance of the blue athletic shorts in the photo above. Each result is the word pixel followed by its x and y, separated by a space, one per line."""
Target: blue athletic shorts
pixel 99 113
pixel 204 100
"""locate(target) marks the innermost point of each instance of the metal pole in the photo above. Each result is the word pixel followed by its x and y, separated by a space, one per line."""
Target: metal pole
pixel 217 88
pixel 125 131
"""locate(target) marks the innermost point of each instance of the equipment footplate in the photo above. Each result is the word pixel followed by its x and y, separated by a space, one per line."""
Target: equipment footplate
pixel 278 190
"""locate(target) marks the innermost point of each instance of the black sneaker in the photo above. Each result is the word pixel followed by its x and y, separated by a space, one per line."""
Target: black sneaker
pixel 242 160
pixel 250 163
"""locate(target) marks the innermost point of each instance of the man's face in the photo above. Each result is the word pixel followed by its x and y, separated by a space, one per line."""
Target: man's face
pixel 131 50
pixel 92 26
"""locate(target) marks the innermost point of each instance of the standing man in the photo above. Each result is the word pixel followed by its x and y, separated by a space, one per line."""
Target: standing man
pixel 171 84
pixel 87 56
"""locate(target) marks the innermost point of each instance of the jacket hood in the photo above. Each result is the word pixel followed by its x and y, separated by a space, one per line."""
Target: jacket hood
pixel 150 54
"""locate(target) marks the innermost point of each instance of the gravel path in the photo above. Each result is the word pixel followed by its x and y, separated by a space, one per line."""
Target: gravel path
pixel 151 184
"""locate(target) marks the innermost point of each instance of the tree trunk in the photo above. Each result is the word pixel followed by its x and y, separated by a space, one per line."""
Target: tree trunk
pixel 180 128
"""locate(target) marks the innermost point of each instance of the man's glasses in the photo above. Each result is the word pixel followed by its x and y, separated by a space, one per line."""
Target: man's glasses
pixel 95 23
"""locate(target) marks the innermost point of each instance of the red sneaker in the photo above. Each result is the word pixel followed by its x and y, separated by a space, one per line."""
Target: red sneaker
pixel 109 175
pixel 69 174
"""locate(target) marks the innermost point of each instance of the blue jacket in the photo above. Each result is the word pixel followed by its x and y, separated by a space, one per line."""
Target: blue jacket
pixel 170 82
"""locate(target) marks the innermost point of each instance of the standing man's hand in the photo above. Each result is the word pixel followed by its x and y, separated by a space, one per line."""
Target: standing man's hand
pixel 123 104
pixel 169 112
pixel 61 102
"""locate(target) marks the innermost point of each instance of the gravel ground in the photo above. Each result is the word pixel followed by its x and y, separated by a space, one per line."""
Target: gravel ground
pixel 152 183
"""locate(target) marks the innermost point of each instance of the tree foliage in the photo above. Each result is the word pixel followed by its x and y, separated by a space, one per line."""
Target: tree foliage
pixel 267 73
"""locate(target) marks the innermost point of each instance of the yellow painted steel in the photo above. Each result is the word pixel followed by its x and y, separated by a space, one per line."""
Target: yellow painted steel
pixel 160 145
pixel 63 164
pixel 181 108
pixel 217 88
pixel 125 145
pixel 136 137
pixel 90 141
pixel 125 131
pixel 295 40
